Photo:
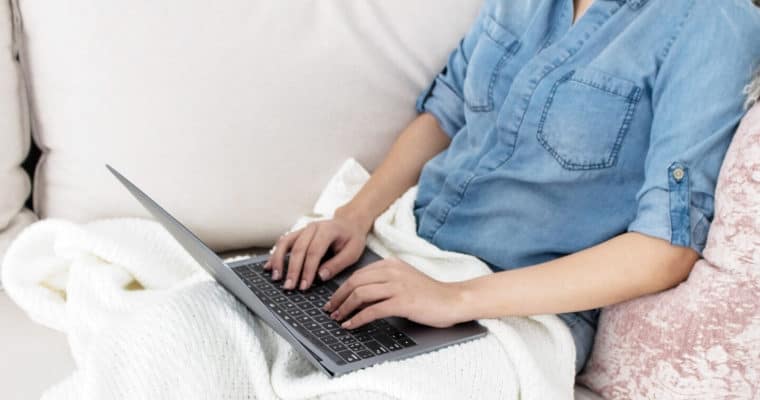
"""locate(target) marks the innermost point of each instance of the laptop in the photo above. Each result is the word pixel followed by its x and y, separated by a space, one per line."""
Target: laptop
pixel 297 315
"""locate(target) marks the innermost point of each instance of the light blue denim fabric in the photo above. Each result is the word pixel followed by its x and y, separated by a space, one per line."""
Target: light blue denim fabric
pixel 564 136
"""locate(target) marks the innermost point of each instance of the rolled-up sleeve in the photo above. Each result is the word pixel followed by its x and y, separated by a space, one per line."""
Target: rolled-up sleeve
pixel 697 103
pixel 444 98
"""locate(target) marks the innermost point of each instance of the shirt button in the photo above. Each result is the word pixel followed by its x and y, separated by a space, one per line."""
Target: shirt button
pixel 678 174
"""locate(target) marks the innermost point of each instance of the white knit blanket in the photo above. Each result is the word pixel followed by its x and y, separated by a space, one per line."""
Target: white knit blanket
pixel 145 322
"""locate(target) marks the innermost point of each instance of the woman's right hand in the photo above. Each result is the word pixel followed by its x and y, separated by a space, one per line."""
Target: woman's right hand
pixel 346 233
pixel 345 236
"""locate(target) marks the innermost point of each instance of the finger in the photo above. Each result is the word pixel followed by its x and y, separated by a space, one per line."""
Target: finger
pixel 361 277
pixel 362 296
pixel 322 240
pixel 281 248
pixel 348 255
pixel 383 309
pixel 297 255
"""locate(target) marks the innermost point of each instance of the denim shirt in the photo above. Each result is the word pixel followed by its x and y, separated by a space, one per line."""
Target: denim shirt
pixel 566 135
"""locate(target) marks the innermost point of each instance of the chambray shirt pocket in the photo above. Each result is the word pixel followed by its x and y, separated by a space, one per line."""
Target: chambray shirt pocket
pixel 586 117
pixel 487 76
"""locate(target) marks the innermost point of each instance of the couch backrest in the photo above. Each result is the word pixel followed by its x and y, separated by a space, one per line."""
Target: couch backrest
pixel 232 115
pixel 14 136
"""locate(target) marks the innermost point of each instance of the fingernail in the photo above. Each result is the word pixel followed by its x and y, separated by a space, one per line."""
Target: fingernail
pixel 304 285
pixel 335 315
pixel 288 284
pixel 324 274
pixel 327 306
pixel 346 324
pixel 275 275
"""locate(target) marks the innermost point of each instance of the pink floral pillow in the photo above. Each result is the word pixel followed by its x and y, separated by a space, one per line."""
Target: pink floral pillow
pixel 700 340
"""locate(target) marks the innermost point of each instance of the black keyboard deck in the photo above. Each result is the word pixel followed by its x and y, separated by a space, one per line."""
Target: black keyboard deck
pixel 302 310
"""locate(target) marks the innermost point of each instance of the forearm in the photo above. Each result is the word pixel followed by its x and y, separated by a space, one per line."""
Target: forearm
pixel 400 170
pixel 628 266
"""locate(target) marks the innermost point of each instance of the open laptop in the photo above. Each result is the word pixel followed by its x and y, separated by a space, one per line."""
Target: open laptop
pixel 298 316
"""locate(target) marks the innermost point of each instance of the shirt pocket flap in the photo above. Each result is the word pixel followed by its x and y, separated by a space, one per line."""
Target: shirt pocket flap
pixel 605 82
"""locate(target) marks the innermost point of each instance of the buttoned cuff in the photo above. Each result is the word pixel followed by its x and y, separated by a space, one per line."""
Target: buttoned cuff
pixel 675 214
pixel 444 104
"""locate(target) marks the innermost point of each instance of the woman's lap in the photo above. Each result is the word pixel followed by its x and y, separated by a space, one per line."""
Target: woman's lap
pixel 583 328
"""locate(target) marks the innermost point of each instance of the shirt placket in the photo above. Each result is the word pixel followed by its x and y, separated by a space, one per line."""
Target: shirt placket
pixel 515 106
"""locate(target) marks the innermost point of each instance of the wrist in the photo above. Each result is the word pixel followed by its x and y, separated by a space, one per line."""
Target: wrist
pixel 464 307
pixel 357 217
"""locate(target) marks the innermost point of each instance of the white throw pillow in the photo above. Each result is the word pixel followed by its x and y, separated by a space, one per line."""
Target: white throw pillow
pixel 14 137
pixel 232 115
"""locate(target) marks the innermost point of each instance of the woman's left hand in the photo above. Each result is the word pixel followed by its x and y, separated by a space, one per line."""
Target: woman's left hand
pixel 394 288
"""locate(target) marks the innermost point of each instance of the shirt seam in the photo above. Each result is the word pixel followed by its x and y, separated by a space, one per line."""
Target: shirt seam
pixel 678 31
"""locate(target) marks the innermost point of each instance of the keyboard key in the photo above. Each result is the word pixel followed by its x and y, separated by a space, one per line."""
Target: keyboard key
pixel 339 333
pixel 319 303
pixel 337 347
pixel 321 332
pixel 371 330
pixel 271 292
pixel 312 297
pixel 389 330
pixel 297 298
pixel 399 336
pixel 305 305
pixel 376 347
pixel 407 342
pixel 328 340
pixel 321 290
pixel 349 356
pixel 313 326
pixel 394 347
pixel 365 354
pixel 330 325
pixel 385 340
pixel 280 299
pixel 313 312
pixel 303 319
pixel 362 338
pixel 321 318
pixel 356 346
pixel 348 339
pixel 295 312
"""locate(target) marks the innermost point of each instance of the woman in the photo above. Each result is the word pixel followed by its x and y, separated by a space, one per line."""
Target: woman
pixel 573 146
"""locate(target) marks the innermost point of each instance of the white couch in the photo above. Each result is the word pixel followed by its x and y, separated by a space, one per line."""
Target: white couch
pixel 231 115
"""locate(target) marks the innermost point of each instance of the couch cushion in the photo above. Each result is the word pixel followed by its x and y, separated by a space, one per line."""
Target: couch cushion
pixel 702 338
pixel 14 135
pixel 231 116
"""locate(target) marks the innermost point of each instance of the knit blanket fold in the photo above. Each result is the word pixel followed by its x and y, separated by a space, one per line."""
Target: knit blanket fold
pixel 145 322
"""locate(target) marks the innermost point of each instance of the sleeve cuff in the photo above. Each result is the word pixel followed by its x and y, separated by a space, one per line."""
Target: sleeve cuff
pixel 674 214
pixel 444 104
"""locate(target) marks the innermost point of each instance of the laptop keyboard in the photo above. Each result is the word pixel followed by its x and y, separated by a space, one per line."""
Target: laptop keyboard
pixel 303 312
